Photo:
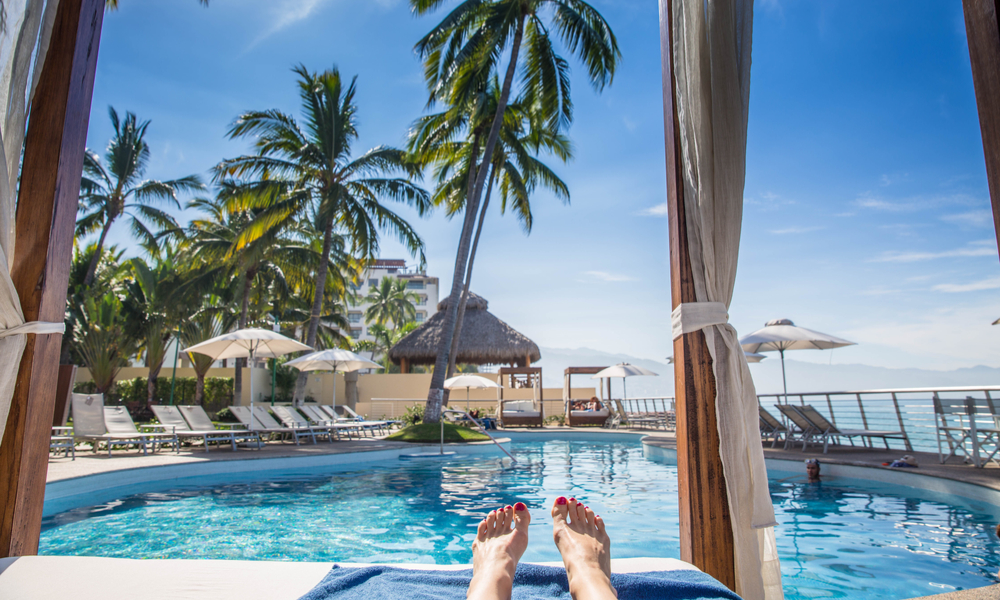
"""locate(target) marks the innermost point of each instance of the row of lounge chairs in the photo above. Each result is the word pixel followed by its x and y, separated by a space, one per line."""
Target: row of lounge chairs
pixel 808 425
pixel 113 426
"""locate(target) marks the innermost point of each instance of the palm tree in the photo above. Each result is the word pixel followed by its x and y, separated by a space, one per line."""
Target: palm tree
pixel 465 48
pixel 515 164
pixel 264 264
pixel 102 339
pixel 296 170
pixel 209 321
pixel 385 338
pixel 391 302
pixel 107 193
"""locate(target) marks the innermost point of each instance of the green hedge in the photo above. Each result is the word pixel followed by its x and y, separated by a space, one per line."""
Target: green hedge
pixel 218 391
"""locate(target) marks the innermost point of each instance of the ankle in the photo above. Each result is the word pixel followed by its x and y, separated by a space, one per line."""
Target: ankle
pixel 590 585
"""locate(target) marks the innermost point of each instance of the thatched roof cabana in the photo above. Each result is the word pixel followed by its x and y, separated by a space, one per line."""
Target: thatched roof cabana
pixel 485 340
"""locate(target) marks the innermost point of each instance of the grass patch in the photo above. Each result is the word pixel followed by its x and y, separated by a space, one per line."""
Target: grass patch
pixel 427 433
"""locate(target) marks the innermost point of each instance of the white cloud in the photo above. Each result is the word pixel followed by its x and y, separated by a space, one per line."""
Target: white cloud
pixel 973 249
pixel 794 230
pixel 976 286
pixel 767 201
pixel 874 202
pixel 288 13
pixel 975 218
pixel 660 210
pixel 879 204
pixel 605 276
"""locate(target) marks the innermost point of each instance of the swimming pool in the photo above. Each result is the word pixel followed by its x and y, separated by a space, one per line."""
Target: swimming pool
pixel 843 538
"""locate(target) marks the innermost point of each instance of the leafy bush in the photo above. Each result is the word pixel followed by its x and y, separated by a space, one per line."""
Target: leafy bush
pixel 557 419
pixel 226 416
pixel 414 415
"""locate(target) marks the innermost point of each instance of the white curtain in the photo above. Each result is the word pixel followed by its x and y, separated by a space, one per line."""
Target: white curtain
pixel 23 41
pixel 711 62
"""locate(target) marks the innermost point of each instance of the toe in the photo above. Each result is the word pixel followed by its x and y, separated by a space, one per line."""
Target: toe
pixel 481 530
pixel 560 510
pixel 599 524
pixel 573 505
pixel 521 517
pixel 505 518
pixel 491 522
pixel 590 517
pixel 579 515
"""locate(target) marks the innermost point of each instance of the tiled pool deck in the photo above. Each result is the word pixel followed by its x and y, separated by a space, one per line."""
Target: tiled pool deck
pixel 88 463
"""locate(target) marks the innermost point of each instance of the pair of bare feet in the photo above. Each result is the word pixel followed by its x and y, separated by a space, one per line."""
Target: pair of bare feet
pixel 579 535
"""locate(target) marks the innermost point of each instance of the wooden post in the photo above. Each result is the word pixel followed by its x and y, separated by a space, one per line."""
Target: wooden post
pixel 982 28
pixel 706 536
pixel 46 215
pixel 404 365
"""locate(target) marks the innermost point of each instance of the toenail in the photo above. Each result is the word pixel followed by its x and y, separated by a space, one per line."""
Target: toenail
pixel 508 507
pixel 561 500
pixel 572 499
pixel 520 506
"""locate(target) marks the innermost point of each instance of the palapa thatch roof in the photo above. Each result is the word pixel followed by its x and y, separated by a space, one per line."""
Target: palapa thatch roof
pixel 485 339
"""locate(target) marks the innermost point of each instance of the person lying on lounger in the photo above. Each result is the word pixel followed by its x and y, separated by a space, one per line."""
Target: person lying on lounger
pixel 502 537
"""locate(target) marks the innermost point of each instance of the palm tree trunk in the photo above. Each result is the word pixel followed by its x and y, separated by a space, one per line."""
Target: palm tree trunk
pixel 453 356
pixel 242 323
pixel 435 396
pixel 94 260
pixel 199 389
pixel 317 308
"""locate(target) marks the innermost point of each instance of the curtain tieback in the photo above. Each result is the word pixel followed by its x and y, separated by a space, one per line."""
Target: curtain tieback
pixel 36 327
pixel 692 316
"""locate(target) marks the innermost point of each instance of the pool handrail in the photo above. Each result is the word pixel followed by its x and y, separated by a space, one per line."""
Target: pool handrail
pixel 478 424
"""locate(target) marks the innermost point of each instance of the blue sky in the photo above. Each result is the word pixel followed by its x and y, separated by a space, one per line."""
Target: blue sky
pixel 867 209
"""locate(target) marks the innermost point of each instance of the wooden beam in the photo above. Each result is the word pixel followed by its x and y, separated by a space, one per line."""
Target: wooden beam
pixel 46 215
pixel 706 533
pixel 982 28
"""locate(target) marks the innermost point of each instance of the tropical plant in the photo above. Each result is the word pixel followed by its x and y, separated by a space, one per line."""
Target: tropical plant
pixel 102 339
pixel 210 321
pixel 515 164
pixel 264 264
pixel 391 303
pixel 311 170
pixel 384 339
pixel 117 190
pixel 107 278
pixel 464 50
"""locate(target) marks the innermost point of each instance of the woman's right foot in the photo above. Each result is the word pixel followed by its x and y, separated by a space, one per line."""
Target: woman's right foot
pixel 585 548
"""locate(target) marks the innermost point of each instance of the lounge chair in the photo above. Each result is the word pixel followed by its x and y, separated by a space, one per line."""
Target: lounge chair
pixel 826 430
pixel 119 422
pixel 271 427
pixel 199 420
pixel 349 414
pixel 320 417
pixel 577 418
pixel 770 427
pixel 91 424
pixel 291 418
pixel 632 420
pixel 59 442
pixel 805 430
pixel 967 430
pixel 521 413
pixel 173 421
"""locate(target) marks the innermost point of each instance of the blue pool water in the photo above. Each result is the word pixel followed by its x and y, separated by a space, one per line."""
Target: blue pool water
pixel 837 539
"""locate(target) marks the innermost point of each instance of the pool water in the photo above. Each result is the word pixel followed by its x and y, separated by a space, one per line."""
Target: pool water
pixel 836 539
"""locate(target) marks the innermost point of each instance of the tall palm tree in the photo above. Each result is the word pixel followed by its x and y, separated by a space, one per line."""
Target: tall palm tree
pixel 384 338
pixel 391 302
pixel 103 340
pixel 465 48
pixel 118 190
pixel 210 320
pixel 265 262
pixel 298 169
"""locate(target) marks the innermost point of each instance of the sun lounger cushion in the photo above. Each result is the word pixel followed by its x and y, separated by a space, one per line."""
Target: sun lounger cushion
pixel 521 413
pixel 531 581
pixel 590 413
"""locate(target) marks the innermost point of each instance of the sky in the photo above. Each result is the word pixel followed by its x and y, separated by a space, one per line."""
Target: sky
pixel 867 212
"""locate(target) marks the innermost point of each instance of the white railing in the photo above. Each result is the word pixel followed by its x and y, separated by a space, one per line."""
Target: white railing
pixel 910 410
pixel 651 411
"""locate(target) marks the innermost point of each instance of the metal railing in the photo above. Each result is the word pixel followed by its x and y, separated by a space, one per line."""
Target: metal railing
pixel 910 410
pixel 651 410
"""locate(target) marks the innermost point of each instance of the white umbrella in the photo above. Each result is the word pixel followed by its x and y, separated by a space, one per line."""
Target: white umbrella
pixel 781 335
pixel 248 343
pixel 624 370
pixel 468 382
pixel 334 360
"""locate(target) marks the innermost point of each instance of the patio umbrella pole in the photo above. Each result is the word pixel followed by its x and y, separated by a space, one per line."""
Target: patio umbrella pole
pixel 251 386
pixel 784 383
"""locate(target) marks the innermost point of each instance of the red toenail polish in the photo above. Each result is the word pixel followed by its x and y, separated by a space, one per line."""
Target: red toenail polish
pixel 572 499
pixel 508 507
pixel 520 506
pixel 561 500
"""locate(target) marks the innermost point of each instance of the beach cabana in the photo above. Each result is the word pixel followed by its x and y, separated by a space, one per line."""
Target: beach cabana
pixel 577 418
pixel 519 412
pixel 485 340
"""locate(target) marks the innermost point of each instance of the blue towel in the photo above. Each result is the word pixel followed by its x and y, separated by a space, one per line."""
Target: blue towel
pixel 530 582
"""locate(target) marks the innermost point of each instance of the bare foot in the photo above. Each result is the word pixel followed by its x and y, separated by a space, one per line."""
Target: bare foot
pixel 585 549
pixel 496 551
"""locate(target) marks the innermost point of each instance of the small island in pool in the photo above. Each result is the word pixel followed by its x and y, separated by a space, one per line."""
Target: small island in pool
pixel 426 433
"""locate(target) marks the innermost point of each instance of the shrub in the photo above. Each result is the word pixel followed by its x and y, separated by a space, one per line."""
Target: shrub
pixel 557 419
pixel 226 416
pixel 414 415
pixel 133 393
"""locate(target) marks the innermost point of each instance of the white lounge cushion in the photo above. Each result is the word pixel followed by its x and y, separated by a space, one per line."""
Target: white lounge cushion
pixel 521 413
pixel 518 405
pixel 590 413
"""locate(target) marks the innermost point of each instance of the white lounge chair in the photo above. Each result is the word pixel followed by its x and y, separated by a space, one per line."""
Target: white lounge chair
pixel 172 421
pixel 252 422
pixel 91 424
pixel 199 420
pixel 319 417
pixel 290 417
pixel 348 414
pixel 825 430
pixel 770 427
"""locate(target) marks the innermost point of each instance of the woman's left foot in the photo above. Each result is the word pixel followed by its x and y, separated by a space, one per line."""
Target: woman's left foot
pixel 501 539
